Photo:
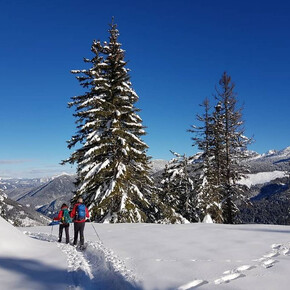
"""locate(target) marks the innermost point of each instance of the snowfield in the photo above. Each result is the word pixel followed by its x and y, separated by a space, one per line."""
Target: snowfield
pixel 262 177
pixel 148 256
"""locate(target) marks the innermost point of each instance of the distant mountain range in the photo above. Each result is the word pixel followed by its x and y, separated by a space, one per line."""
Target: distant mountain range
pixel 270 161
pixel 268 187
pixel 20 215
pixel 46 195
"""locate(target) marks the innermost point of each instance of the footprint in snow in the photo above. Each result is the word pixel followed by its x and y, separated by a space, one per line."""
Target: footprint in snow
pixel 285 252
pixel 196 260
pixel 240 269
pixel 271 255
pixel 276 246
pixel 268 263
pixel 260 260
pixel 192 284
pixel 228 278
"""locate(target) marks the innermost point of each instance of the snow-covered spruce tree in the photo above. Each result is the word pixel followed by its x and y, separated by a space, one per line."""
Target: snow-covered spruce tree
pixel 177 187
pixel 231 148
pixel 206 177
pixel 112 165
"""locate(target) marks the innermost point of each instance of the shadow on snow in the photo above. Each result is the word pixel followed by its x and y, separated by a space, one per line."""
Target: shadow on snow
pixel 47 277
pixel 44 276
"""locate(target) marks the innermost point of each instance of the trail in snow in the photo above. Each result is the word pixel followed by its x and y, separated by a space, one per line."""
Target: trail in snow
pixel 95 268
pixel 193 284
pixel 266 261
pixel 99 268
pixel 228 278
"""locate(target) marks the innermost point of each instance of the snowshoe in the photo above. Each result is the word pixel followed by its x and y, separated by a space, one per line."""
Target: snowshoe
pixel 82 247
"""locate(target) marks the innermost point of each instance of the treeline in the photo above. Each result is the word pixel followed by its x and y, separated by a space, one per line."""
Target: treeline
pixel 113 168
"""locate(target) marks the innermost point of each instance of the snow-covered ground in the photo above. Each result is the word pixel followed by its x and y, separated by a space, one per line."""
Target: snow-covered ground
pixel 262 177
pixel 148 256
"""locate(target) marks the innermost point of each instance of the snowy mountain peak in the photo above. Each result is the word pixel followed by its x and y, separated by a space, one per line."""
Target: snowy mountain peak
pixel 157 165
pixel 271 152
pixel 285 151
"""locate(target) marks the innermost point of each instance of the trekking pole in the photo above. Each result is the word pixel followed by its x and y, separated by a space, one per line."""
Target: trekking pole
pixel 96 232
pixel 71 234
pixel 51 232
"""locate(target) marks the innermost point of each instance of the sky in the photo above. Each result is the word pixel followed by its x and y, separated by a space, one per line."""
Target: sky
pixel 176 51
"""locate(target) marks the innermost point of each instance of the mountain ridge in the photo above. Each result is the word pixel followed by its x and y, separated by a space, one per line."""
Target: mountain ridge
pixel 47 197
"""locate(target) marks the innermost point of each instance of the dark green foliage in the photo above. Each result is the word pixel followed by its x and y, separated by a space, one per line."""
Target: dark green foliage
pixel 233 151
pixel 271 204
pixel 206 181
pixel 113 168
pixel 223 144
pixel 177 187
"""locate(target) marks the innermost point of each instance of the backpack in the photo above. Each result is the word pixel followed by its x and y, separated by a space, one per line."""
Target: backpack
pixel 66 219
pixel 81 212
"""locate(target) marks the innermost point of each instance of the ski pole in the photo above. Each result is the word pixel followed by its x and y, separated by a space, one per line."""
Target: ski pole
pixel 71 234
pixel 51 232
pixel 96 232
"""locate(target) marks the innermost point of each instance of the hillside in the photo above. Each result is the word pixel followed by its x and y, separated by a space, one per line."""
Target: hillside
pixel 48 197
pixel 148 257
pixel 16 188
pixel 269 189
pixel 20 215
pixel 29 264
pixel 271 161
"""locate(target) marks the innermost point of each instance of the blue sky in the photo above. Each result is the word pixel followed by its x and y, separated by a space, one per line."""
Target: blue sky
pixel 177 51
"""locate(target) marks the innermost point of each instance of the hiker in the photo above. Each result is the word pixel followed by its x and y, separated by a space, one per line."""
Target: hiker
pixel 79 213
pixel 65 219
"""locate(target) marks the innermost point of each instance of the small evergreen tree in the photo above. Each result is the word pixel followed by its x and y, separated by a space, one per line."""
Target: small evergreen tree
pixel 206 173
pixel 112 165
pixel 177 187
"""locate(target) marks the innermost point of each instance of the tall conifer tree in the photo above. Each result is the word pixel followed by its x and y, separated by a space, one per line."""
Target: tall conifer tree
pixel 224 146
pixel 205 182
pixel 232 148
pixel 112 165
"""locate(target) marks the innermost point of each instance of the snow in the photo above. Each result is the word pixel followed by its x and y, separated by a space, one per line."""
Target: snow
pixel 28 222
pixel 9 207
pixel 140 195
pixel 123 200
pixel 135 138
pixel 97 168
pixel 121 170
pixel 110 189
pixel 207 219
pixel 137 151
pixel 261 177
pixel 26 263
pixel 148 256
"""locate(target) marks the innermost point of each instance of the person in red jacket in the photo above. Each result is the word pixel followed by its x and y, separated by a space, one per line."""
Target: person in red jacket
pixel 79 214
pixel 64 218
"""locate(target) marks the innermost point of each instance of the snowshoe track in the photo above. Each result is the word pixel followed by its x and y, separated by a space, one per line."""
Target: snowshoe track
pixel 193 284
pixel 103 269
pixel 266 261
